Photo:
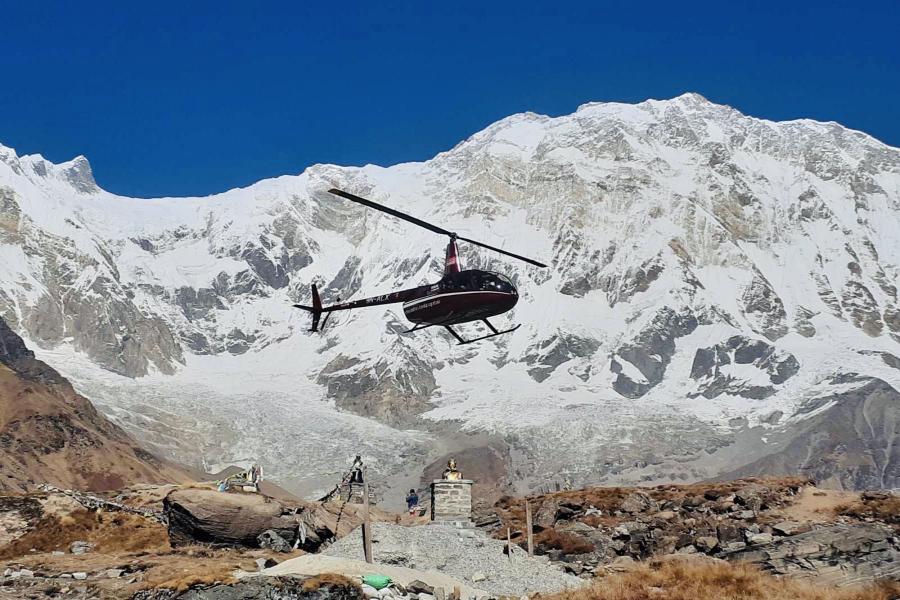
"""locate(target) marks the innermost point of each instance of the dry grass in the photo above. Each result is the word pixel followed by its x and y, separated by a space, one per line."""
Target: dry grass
pixel 109 532
pixel 886 509
pixel 565 542
pixel 701 580
pixel 328 580
pixel 200 566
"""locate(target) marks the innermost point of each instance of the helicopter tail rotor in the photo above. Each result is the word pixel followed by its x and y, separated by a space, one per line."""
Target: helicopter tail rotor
pixel 315 309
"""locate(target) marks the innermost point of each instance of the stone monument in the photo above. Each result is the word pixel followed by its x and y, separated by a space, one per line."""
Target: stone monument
pixel 451 498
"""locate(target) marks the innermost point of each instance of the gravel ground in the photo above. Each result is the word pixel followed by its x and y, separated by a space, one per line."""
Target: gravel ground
pixel 469 555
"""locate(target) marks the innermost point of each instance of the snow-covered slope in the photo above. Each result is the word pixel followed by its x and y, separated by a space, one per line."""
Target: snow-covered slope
pixel 711 273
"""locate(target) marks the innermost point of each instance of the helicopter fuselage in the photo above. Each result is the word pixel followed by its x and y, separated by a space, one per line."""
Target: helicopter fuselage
pixel 461 297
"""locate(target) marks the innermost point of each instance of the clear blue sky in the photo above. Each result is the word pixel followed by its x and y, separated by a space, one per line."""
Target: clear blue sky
pixel 188 98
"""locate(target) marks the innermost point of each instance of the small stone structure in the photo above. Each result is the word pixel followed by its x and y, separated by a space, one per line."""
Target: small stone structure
pixel 451 502
pixel 354 493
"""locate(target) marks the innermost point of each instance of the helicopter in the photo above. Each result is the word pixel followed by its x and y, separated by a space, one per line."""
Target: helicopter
pixel 460 296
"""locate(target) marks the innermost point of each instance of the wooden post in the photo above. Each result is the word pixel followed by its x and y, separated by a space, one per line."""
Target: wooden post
pixel 367 524
pixel 529 528
pixel 508 543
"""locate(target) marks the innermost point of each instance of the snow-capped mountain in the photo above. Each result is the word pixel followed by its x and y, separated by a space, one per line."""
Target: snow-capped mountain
pixel 719 285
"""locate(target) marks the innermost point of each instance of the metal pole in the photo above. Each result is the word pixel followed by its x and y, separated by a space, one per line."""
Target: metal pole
pixel 528 528
pixel 367 525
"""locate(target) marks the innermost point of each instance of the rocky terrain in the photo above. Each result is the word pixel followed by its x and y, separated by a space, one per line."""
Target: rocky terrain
pixel 783 526
pixel 722 292
pixel 765 538
pixel 51 434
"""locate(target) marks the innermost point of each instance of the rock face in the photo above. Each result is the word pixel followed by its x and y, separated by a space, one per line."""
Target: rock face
pixel 706 266
pixel 710 365
pixel 50 434
pixel 839 555
pixel 850 441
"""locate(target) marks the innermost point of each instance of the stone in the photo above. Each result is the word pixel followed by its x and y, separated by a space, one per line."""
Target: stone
pixel 790 528
pixel 478 577
pixel 621 563
pixel 729 533
pixel 272 540
pixel 750 497
pixel 638 502
pixel 369 591
pixel 417 586
pixel 746 515
pixel 81 575
pixel 689 549
pixel 80 547
pixel 58 553
pixel 760 538
pixel 545 515
pixel 114 573
pixel 666 515
pixel 706 543
pixel 265 563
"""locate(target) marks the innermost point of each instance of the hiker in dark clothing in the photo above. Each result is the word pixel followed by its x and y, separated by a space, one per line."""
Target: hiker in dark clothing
pixel 412 501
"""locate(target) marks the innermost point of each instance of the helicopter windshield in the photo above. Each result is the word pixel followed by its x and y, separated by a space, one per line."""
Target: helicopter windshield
pixel 478 281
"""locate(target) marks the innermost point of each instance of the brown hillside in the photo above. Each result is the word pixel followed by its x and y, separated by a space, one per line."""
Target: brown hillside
pixel 49 433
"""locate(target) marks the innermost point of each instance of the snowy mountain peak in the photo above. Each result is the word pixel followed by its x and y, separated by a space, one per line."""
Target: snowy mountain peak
pixel 710 270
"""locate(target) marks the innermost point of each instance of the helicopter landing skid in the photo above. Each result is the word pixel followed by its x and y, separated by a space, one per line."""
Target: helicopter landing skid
pixel 495 333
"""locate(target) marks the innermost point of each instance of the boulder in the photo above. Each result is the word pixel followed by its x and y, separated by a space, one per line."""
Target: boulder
pixel 80 547
pixel 638 502
pixel 545 515
pixel 209 516
pixel 419 587
pixel 751 497
pixel 728 533
pixel 272 540
pixel 706 543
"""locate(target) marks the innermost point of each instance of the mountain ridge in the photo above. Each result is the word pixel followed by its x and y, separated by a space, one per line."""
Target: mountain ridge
pixel 50 434
pixel 708 268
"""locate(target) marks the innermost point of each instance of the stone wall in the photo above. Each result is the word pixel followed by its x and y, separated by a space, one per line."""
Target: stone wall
pixel 451 501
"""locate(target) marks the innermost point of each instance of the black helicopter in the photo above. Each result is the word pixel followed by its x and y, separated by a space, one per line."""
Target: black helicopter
pixel 460 296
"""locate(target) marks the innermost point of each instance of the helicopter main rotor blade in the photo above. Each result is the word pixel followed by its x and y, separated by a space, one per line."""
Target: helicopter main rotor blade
pixel 426 225
pixel 390 211
pixel 501 251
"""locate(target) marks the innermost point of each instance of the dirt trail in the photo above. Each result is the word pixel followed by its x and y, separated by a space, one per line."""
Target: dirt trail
pixel 816 505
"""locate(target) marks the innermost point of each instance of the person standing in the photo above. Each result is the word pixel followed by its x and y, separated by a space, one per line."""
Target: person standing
pixel 412 501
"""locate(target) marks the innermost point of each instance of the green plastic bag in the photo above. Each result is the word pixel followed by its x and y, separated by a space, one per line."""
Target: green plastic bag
pixel 379 582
